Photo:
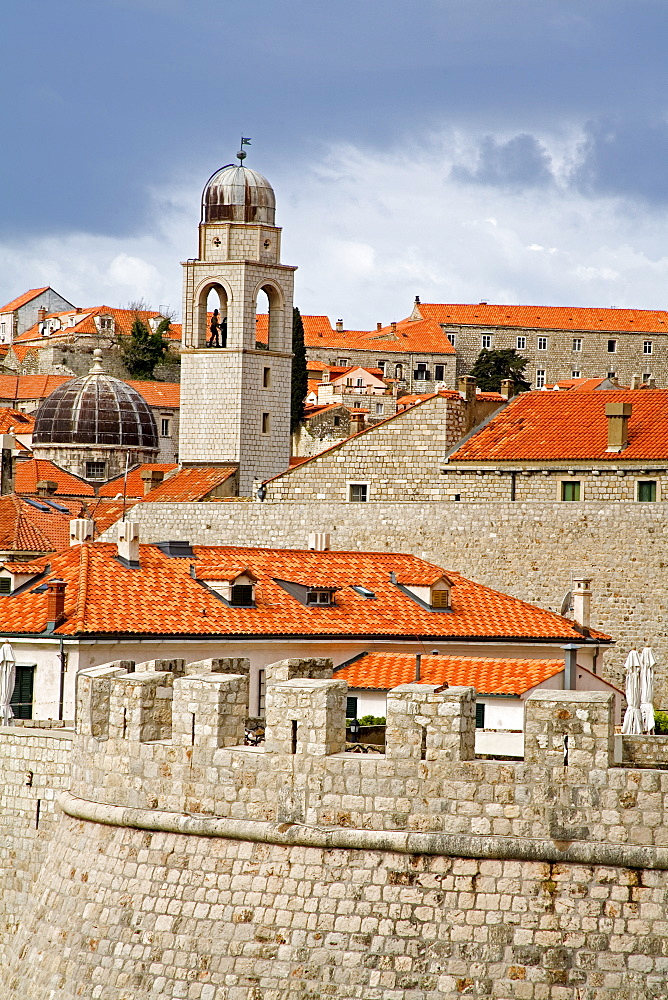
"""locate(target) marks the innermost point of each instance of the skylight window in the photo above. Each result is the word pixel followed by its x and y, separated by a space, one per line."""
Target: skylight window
pixel 364 592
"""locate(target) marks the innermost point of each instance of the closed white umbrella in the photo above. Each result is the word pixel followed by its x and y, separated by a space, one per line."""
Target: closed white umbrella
pixel 7 680
pixel 632 724
pixel 647 662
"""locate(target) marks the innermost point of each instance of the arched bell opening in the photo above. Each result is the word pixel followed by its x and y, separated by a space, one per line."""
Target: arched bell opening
pixel 269 313
pixel 212 316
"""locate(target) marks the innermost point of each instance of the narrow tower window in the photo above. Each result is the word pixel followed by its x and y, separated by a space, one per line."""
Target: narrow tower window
pixel 265 423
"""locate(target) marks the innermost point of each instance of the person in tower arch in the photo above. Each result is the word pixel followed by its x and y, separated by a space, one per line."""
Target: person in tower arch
pixel 222 326
pixel 213 328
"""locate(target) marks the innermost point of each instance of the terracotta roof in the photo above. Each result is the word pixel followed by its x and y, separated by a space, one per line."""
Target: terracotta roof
pixel 123 320
pixel 548 317
pixel 421 336
pixel 312 325
pixel 162 597
pixel 25 387
pixel 34 566
pixel 166 394
pixel 135 484
pixel 543 426
pixel 15 421
pixel 579 384
pixel 33 470
pixel 27 528
pixel 487 674
pixel 23 299
pixel 20 351
pixel 190 485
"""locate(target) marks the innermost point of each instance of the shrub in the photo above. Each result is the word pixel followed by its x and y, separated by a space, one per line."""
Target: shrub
pixel 372 720
pixel 660 723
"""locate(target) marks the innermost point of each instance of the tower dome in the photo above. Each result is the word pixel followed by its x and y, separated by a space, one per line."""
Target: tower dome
pixel 238 194
pixel 94 421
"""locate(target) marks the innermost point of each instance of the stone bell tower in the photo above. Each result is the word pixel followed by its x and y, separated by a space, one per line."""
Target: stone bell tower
pixel 235 398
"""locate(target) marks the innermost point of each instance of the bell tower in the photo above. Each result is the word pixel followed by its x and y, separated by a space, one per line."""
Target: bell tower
pixel 235 377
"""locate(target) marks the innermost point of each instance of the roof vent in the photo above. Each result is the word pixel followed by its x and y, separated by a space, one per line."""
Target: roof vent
pixel 318 541
pixel 339 326
pixel 176 549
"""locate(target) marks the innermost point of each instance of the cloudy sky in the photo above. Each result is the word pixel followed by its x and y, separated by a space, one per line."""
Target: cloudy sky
pixel 507 150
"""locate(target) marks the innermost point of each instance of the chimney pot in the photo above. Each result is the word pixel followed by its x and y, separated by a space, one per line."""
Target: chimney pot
pixel 41 315
pixel 507 388
pixel 128 542
pixel 635 381
pixel 55 607
pixel 618 415
pixel 394 327
pixel 339 326
pixel 379 326
pixel 417 300
pixel 318 541
pixel 81 529
pixel 582 601
pixel 466 386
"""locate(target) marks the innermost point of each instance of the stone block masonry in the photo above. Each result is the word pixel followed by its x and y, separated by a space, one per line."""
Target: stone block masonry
pixel 290 873
pixel 531 550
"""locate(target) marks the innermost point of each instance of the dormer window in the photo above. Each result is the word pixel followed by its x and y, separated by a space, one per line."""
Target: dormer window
pixel 106 324
pixel 312 595
pixel 321 597
pixel 237 588
pixel 433 596
pixel 241 594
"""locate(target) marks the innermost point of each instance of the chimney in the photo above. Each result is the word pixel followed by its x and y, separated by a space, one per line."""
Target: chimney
pixel 318 541
pixel 393 327
pixel 128 542
pixel 339 326
pixel 417 300
pixel 582 601
pixel 55 606
pixel 46 488
pixel 466 386
pixel 41 315
pixel 618 415
pixel 507 388
pixel 81 530
pixel 418 667
pixel 356 422
pixel 8 443
pixel 379 326
pixel 651 384
pixel 151 478
pixel 635 381
pixel 570 666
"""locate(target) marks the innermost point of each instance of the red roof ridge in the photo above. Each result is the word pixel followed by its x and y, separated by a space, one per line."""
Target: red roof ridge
pixel 21 300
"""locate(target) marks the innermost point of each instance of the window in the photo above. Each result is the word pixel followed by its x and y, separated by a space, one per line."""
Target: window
pixel 383 367
pixel 3 329
pixel 577 343
pixel 542 343
pixel 440 599
pixel 486 341
pixel 540 378
pixel 23 692
pixel 380 408
pixel 265 423
pixel 452 337
pixel 164 427
pixel 570 490
pixel 398 371
pixel 479 715
pixel 323 597
pixel 421 374
pixel 647 490
pixel 106 323
pixel 612 374
pixel 646 376
pixel 266 378
pixel 337 421
pixel 575 373
pixel 521 343
pixel 351 708
pixel 439 372
pixel 5 585
pixel 343 362
pixel 647 346
pixel 612 346
pixel 96 470
pixel 261 691
pixel 359 383
pixel 241 595
pixel 358 492
pixel 349 382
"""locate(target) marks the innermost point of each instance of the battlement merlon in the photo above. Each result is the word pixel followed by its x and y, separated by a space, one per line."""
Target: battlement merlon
pixel 306 716
pixel 573 728
pixel 209 710
pixel 425 722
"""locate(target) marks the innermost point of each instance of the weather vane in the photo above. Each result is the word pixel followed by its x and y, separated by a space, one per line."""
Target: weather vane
pixel 241 156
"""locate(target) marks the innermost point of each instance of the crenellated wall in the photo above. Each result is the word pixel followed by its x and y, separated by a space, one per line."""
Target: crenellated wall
pixel 191 867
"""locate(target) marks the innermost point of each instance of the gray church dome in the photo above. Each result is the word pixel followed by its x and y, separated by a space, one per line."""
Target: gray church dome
pixel 96 409
pixel 238 194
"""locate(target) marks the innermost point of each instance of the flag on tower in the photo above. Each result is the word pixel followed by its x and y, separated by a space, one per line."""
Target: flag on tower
pixel 245 142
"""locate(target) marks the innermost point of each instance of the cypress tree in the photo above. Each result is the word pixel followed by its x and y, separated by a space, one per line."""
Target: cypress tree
pixel 143 350
pixel 299 377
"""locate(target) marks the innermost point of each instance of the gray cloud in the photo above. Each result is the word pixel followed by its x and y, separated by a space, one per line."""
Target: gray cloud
pixel 624 157
pixel 518 163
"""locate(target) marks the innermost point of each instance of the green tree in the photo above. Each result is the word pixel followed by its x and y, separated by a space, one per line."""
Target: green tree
pixel 492 367
pixel 142 350
pixel 299 377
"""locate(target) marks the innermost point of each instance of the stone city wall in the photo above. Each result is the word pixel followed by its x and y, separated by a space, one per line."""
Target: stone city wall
pixel 299 871
pixel 531 551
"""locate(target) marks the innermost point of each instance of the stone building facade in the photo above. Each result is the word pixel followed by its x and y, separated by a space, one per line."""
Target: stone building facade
pixel 235 399
pixel 185 865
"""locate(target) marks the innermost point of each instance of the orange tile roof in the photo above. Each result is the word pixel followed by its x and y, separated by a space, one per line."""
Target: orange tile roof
pixel 421 336
pixel 25 528
pixel 26 387
pixel 21 351
pixel 33 470
pixel 34 566
pixel 190 485
pixel 544 426
pixel 487 674
pixel 135 484
pixel 21 300
pixel 547 317
pixel 167 394
pixel 123 320
pixel 15 421
pixel 312 326
pixel 162 597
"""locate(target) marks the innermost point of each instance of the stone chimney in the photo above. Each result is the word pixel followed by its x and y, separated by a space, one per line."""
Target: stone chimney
pixel 46 488
pixel 466 386
pixel 356 422
pixel 128 542
pixel 507 388
pixel 393 327
pixel 582 601
pixel 635 381
pixel 81 530
pixel 41 315
pixel 339 326
pixel 55 606
pixel 151 478
pixel 318 541
pixel 618 415
pixel 379 326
